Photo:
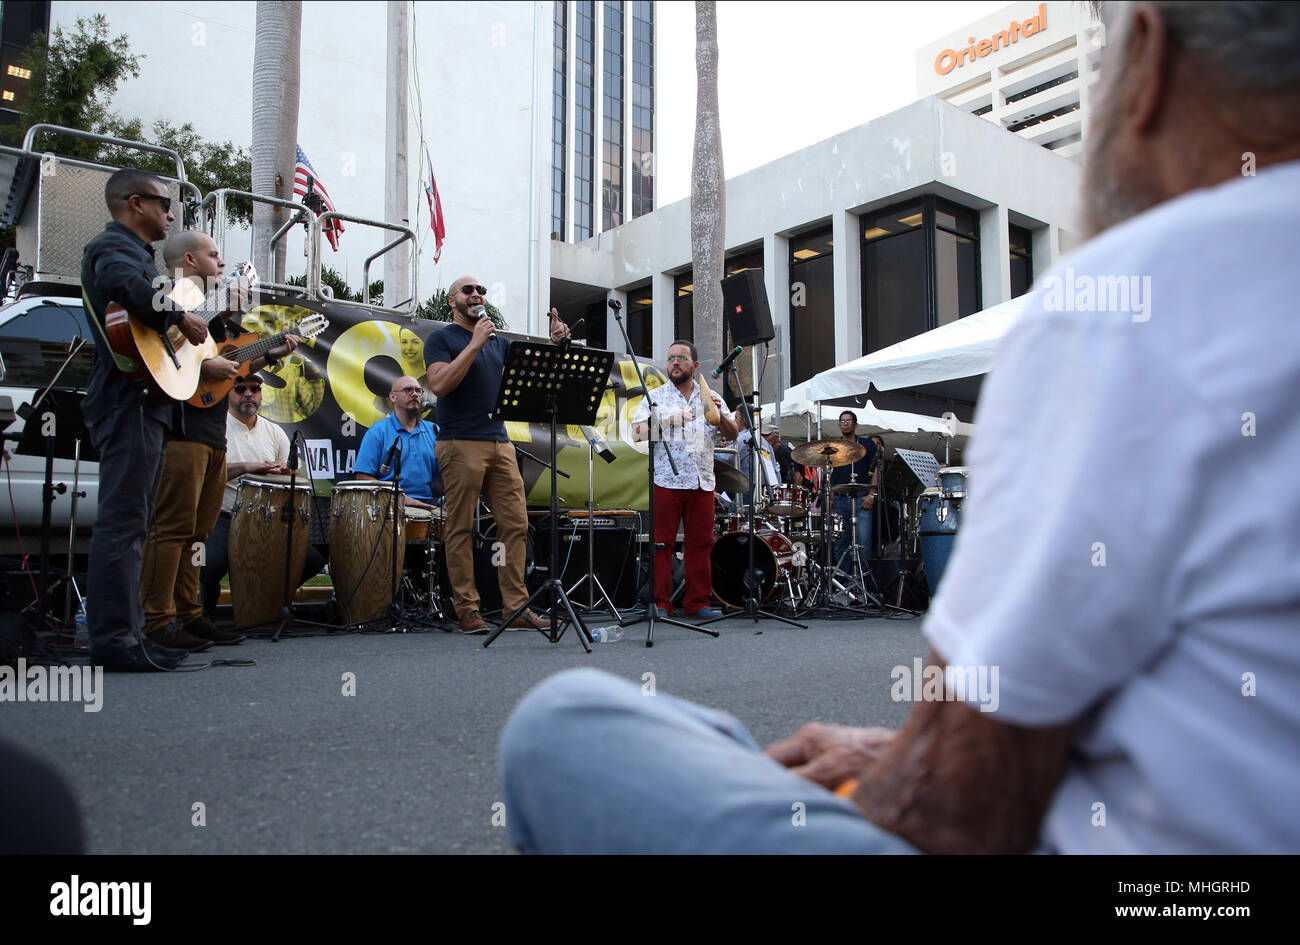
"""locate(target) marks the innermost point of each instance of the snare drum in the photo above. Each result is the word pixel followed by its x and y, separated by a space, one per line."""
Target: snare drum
pixel 259 534
pixel 361 547
pixel 789 501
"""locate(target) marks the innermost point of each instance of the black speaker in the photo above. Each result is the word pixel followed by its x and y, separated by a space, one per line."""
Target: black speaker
pixel 615 557
pixel 745 310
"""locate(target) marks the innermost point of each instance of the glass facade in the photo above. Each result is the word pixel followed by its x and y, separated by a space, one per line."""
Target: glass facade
pixel 812 304
pixel 643 104
pixel 1022 260
pixel 559 118
pixel 584 111
pixel 920 269
pixel 684 306
pixel 640 309
pixel 611 186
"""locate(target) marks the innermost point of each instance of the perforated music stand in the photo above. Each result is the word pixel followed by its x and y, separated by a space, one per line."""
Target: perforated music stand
pixel 555 383
pixel 924 465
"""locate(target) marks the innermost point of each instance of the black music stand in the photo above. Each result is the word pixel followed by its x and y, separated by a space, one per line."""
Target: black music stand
pixel 559 383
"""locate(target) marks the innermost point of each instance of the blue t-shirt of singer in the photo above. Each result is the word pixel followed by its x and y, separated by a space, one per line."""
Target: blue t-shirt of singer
pixel 464 413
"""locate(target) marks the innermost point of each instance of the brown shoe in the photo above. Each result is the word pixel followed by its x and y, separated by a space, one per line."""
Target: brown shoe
pixel 472 622
pixel 529 621
pixel 172 635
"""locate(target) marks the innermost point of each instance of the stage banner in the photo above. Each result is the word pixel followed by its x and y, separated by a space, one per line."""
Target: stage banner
pixel 334 387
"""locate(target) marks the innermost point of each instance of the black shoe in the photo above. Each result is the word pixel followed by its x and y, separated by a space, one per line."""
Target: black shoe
pixel 173 636
pixel 133 659
pixel 157 649
pixel 205 629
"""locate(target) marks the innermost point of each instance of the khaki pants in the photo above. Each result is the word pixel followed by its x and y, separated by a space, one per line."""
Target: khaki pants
pixel 468 468
pixel 185 511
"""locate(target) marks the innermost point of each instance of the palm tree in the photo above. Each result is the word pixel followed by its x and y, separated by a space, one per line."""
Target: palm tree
pixel 276 55
pixel 708 209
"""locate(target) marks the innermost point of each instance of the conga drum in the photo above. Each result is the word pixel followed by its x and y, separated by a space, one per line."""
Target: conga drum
pixel 361 547
pixel 259 535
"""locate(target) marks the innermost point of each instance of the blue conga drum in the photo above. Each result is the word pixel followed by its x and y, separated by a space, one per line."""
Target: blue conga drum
pixel 939 517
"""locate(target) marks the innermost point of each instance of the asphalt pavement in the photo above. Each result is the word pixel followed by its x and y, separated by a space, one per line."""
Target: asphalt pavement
pixel 282 759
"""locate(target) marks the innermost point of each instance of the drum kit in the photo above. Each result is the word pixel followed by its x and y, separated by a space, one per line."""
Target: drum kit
pixel 794 538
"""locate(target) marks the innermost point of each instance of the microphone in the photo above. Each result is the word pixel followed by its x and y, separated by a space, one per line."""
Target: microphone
pixel 293 449
pixel 393 450
pixel 616 305
pixel 599 444
pixel 726 362
pixel 478 311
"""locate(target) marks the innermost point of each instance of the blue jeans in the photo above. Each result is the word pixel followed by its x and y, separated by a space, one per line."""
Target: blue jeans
pixel 843 507
pixel 591 764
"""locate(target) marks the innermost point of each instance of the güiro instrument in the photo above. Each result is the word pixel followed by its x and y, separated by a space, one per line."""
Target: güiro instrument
pixel 711 414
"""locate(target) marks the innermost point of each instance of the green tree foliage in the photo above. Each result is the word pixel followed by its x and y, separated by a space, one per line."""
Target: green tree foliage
pixel 437 308
pixel 334 279
pixel 74 78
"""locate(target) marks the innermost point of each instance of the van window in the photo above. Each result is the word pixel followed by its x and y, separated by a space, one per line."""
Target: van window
pixel 34 344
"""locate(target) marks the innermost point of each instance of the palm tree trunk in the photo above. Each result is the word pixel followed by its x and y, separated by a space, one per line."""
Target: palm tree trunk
pixel 276 56
pixel 708 210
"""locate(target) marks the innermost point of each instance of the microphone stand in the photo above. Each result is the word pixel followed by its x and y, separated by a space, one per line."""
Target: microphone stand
pixel 652 608
pixel 752 608
pixel 287 616
pixel 590 578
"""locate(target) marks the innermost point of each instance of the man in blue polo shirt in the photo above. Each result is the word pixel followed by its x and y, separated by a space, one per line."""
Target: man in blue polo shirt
pixel 418 437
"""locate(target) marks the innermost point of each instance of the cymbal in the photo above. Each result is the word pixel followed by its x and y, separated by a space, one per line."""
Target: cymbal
pixel 854 488
pixel 828 453
pixel 729 478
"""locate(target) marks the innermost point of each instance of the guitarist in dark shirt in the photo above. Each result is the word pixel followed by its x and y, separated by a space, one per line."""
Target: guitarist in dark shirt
pixel 194 468
pixel 118 266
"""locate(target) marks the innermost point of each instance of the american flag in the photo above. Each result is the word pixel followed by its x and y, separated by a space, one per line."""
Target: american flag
pixel 302 172
pixel 436 222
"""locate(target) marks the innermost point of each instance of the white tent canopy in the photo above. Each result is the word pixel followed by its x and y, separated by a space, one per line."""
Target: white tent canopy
pixel 870 416
pixel 962 348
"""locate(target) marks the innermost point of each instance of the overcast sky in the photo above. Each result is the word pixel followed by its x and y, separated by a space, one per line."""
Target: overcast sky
pixel 790 75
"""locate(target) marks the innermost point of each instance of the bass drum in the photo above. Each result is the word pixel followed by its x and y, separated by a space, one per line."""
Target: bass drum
pixel 773 560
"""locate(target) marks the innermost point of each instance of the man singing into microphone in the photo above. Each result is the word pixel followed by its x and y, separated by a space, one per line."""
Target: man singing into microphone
pixel 465 362
pixel 686 494
pixel 418 441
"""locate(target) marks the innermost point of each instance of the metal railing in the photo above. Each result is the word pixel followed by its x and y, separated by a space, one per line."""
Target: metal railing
pixel 406 234
pixel 214 205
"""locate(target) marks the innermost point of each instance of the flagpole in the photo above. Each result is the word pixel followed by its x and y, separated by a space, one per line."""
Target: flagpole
pixel 533 308
pixel 397 262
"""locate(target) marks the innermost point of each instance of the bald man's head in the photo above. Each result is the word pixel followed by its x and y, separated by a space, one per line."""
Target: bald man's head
pixel 465 295
pixel 191 253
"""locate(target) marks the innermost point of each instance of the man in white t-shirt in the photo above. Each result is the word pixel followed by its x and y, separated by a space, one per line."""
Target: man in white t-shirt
pixel 1121 661
pixel 256 446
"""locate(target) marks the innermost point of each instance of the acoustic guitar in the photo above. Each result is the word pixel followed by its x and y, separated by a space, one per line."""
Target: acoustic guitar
pixel 247 348
pixel 165 362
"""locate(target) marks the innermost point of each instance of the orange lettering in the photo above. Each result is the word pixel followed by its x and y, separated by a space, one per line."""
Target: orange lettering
pixel 984 48
pixel 939 67
pixel 1000 39
pixel 961 57
pixel 1029 27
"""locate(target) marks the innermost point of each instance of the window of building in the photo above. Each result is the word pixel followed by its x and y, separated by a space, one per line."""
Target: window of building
pixel 920 269
pixel 1022 260
pixel 612 163
pixel 559 115
pixel 643 104
pixel 640 314
pixel 812 304
pixel 684 306
pixel 584 110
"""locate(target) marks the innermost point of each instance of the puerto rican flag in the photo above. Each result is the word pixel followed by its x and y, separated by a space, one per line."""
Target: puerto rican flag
pixel 435 209
pixel 302 172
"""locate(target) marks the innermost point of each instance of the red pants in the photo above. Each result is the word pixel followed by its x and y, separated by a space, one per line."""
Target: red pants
pixel 696 507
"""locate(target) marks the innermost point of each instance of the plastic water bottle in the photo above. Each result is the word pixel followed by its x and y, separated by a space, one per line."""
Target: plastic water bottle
pixel 606 634
pixel 82 631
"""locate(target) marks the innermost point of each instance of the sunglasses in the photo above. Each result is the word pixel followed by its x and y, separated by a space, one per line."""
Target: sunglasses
pixel 165 201
pixel 255 388
pixel 471 289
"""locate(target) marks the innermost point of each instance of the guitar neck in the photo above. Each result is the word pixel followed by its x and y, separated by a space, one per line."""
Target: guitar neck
pixel 264 346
